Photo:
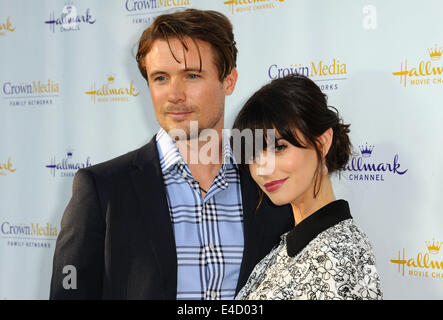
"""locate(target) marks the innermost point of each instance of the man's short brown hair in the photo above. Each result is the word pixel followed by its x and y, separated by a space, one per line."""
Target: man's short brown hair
pixel 210 26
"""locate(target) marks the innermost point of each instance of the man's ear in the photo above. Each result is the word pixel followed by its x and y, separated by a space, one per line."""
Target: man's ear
pixel 325 140
pixel 229 82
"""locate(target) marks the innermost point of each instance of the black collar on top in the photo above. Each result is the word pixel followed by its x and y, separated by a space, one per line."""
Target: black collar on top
pixel 312 226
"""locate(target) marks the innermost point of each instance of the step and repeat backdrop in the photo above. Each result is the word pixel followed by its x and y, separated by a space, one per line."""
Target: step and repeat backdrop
pixel 71 96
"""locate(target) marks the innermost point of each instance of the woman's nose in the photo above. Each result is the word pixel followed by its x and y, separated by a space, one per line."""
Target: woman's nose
pixel 264 164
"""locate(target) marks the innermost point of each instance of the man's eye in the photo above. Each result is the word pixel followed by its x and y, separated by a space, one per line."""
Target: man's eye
pixel 193 76
pixel 160 78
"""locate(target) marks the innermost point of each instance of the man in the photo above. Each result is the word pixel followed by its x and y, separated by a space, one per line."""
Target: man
pixel 155 223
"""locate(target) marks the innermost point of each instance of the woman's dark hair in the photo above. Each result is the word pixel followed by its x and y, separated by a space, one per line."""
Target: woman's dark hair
pixel 290 103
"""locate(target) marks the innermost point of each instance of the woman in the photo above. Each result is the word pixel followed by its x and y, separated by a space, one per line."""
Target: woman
pixel 325 256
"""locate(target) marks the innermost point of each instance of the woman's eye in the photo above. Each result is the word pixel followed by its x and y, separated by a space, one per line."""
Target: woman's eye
pixel 278 148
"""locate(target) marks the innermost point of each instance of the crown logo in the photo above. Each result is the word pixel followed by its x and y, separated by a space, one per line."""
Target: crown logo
pixel 435 54
pixel 433 248
pixel 111 78
pixel 366 151
pixel 69 152
pixel 69 5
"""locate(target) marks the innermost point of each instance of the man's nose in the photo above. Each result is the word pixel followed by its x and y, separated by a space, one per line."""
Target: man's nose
pixel 176 92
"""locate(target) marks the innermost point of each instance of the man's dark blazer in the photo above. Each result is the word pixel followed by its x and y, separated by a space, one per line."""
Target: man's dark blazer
pixel 117 232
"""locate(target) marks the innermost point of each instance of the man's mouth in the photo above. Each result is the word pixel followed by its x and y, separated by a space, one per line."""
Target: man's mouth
pixel 179 115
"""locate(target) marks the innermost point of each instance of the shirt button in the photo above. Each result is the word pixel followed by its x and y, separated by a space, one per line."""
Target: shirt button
pixel 213 295
pixel 184 174
pixel 211 246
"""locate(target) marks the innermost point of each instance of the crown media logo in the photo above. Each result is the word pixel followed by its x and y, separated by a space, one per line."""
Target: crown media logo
pixel 425 72
pixel 69 19
pixel 27 93
pixel 238 6
pixel 327 73
pixel 6 27
pixel 109 92
pixel 32 234
pixel 7 168
pixel 145 11
pixel 364 167
pixel 67 167
pixel 424 265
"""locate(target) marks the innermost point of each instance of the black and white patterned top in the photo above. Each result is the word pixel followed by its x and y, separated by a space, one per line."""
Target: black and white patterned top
pixel 325 257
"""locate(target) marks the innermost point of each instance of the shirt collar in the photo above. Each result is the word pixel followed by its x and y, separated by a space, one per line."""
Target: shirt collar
pixel 169 154
pixel 312 226
pixel 228 155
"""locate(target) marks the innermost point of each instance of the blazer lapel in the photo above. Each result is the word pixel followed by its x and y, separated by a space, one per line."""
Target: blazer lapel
pixel 151 192
pixel 253 231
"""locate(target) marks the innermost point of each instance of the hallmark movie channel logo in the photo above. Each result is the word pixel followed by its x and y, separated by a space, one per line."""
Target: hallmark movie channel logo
pixel 30 93
pixel 366 167
pixel 6 27
pixel 328 74
pixel 145 11
pixel 29 235
pixel 426 264
pixel 240 6
pixel 110 91
pixel 7 167
pixel 69 19
pixel 67 166
pixel 425 72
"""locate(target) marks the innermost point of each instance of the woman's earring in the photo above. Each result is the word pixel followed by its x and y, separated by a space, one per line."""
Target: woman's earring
pixel 325 169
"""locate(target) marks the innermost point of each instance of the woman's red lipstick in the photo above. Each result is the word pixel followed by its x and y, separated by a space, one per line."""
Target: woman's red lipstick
pixel 274 185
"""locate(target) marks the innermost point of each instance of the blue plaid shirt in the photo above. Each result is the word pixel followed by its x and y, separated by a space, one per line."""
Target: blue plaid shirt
pixel 208 231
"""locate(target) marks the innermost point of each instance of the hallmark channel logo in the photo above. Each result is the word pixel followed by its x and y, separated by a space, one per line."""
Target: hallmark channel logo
pixel 111 92
pixel 67 167
pixel 239 6
pixel 30 93
pixel 70 19
pixel 7 168
pixel 365 166
pixel 31 235
pixel 6 27
pixel 145 11
pixel 426 72
pixel 327 73
pixel 425 264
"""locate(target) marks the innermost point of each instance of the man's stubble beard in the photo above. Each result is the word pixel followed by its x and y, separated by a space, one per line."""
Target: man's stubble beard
pixel 196 134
